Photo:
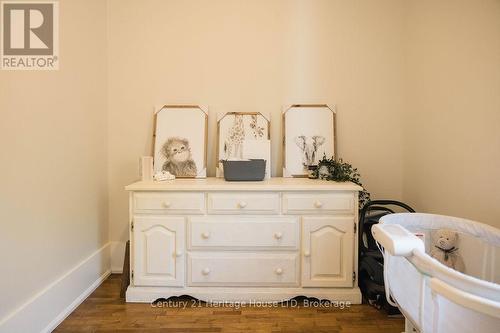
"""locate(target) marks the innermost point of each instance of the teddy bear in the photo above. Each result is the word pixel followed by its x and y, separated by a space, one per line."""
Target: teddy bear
pixel 444 249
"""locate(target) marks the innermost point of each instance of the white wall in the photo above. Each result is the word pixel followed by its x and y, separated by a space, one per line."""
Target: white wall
pixel 452 124
pixel 415 83
pixel 53 134
pixel 257 56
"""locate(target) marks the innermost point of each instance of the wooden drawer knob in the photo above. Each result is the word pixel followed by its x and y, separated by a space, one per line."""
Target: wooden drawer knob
pixel 205 271
pixel 307 254
pixel 278 235
pixel 167 204
pixel 205 235
pixel 178 253
pixel 318 204
pixel 278 271
pixel 242 204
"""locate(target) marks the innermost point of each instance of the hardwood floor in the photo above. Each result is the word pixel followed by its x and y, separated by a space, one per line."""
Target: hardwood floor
pixel 105 311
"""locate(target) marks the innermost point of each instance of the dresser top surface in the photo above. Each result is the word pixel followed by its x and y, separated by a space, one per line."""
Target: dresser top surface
pixel 219 184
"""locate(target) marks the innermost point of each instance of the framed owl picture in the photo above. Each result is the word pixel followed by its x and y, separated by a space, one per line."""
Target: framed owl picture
pixel 180 141
pixel 241 136
pixel 309 132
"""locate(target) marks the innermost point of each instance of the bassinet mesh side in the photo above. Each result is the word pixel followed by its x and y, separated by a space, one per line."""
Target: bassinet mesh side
pixel 408 279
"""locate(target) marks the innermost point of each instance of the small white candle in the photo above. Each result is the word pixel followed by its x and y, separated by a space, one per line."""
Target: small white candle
pixel 146 166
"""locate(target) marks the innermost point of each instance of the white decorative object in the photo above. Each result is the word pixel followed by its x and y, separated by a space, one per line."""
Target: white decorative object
pixel 163 175
pixel 231 241
pixel 180 145
pixel 308 134
pixel 146 168
pixel 243 135
pixel 445 249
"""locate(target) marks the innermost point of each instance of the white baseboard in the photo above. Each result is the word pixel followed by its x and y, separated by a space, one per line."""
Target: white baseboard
pixel 117 256
pixel 79 300
pixel 49 307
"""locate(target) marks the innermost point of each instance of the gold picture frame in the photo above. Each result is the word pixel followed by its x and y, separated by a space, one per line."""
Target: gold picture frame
pixel 329 149
pixel 266 136
pixel 187 129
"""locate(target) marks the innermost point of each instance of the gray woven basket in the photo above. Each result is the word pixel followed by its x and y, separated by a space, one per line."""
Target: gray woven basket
pixel 251 170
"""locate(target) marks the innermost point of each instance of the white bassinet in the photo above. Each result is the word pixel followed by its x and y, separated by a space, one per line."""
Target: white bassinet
pixel 433 297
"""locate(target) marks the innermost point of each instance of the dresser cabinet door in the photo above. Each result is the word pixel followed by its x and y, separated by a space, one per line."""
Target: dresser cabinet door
pixel 327 251
pixel 159 248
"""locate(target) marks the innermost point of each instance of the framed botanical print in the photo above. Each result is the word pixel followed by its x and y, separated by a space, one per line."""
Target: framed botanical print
pixel 243 135
pixel 180 143
pixel 309 132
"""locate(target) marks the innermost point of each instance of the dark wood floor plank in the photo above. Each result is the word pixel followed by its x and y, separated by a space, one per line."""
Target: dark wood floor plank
pixel 105 312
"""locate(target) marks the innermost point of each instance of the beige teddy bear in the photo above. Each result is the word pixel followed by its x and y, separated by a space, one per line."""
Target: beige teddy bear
pixel 444 249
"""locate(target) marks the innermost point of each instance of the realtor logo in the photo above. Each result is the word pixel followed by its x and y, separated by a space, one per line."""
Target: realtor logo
pixel 30 36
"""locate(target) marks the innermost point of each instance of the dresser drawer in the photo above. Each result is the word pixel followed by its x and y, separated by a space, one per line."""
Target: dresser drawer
pixel 235 232
pixel 318 203
pixel 243 203
pixel 242 269
pixel 169 203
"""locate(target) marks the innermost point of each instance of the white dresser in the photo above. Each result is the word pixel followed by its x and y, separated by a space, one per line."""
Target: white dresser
pixel 243 241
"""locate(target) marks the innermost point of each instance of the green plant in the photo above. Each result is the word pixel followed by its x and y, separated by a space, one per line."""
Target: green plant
pixel 340 171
